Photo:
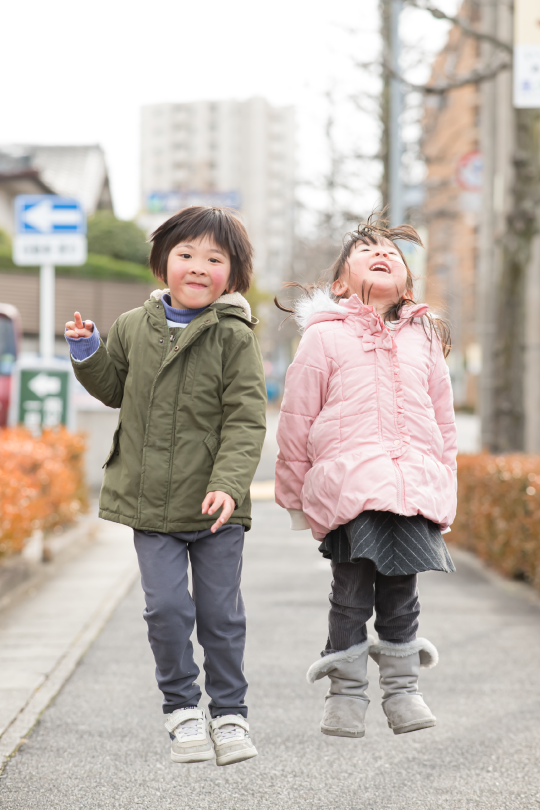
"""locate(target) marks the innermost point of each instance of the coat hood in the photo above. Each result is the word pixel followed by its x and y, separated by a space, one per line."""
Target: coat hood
pixel 319 305
pixel 232 299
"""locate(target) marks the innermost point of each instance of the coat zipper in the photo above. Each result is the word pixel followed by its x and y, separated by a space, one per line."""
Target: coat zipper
pixel 400 487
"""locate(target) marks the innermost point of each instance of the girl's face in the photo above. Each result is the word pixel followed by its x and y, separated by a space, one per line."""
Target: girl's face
pixel 377 271
pixel 197 273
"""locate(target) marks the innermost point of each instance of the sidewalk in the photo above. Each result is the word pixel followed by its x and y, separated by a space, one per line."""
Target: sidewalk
pixel 101 745
pixel 44 636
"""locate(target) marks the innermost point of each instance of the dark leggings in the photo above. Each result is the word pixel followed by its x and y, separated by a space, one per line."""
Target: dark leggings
pixel 357 588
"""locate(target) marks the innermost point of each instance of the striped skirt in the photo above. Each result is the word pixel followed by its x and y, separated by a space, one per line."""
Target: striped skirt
pixel 395 543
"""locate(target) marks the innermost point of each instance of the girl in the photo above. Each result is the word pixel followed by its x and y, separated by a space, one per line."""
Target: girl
pixel 367 461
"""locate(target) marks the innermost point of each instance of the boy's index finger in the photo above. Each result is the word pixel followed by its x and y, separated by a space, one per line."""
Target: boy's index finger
pixel 78 320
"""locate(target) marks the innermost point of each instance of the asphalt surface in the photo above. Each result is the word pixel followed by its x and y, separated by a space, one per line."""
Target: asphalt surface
pixel 102 743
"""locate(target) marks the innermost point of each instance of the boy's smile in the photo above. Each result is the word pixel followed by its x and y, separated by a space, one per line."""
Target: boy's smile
pixel 197 273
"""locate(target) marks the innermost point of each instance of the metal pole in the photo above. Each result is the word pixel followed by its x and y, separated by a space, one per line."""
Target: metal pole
pixel 395 194
pixel 46 312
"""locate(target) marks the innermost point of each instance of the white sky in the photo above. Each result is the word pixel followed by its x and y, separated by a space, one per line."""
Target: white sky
pixel 79 72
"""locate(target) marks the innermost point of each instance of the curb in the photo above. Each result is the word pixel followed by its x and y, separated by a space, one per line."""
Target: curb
pixel 43 696
pixel 73 541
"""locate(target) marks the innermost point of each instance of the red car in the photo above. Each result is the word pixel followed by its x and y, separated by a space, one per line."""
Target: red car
pixel 10 341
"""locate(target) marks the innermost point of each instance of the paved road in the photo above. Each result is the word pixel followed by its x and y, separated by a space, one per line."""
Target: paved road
pixel 102 744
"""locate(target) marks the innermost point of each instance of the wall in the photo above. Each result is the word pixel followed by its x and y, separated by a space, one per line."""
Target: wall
pixel 451 131
pixel 98 300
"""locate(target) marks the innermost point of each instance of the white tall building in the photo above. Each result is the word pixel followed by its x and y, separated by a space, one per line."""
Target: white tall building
pixel 234 153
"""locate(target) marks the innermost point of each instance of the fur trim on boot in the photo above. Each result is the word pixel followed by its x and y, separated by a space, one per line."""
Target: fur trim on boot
pixel 328 662
pixel 429 657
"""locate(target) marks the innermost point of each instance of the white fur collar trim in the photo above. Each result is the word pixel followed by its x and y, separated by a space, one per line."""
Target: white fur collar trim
pixel 233 299
pixel 429 657
pixel 327 663
pixel 308 305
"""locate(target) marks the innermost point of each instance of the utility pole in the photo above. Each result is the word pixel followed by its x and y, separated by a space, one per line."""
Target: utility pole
pixel 395 190
pixel 384 99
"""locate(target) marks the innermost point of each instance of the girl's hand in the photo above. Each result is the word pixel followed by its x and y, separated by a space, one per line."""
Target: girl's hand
pixel 215 500
pixel 78 328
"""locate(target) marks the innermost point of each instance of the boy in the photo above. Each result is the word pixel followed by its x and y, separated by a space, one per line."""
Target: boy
pixel 186 372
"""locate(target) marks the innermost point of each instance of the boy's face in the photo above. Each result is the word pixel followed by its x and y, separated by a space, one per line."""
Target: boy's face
pixel 197 273
pixel 378 268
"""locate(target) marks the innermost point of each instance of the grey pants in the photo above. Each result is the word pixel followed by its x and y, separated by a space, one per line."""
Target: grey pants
pixel 216 607
pixel 357 588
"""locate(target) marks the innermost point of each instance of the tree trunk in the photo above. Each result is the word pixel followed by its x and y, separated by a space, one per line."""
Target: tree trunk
pixel 509 342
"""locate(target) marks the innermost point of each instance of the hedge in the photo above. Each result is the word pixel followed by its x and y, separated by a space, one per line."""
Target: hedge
pixel 498 516
pixel 42 484
pixel 96 266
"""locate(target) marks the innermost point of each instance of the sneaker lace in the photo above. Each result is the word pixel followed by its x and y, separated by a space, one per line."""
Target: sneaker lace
pixel 189 728
pixel 230 731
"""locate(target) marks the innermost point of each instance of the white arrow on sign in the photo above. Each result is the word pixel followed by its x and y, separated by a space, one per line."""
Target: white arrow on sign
pixel 44 386
pixel 44 216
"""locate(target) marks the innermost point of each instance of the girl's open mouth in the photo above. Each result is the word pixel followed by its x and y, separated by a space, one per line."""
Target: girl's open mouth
pixel 381 267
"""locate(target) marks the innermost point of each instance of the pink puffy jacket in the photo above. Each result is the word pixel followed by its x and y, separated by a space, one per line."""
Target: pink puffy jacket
pixel 367 420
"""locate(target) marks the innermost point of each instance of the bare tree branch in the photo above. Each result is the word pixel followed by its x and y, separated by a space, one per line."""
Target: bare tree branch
pixel 465 27
pixel 480 74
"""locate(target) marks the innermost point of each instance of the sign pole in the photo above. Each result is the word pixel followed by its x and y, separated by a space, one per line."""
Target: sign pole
pixel 46 311
pixel 50 232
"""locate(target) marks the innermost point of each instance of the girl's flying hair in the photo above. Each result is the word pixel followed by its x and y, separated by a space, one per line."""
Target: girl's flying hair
pixel 374 231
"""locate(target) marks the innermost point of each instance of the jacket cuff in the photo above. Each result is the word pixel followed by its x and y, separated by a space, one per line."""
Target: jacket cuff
pixel 83 348
pixel 299 521
pixel 216 486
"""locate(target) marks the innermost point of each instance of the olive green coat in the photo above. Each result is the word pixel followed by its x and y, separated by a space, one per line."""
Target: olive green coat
pixel 192 415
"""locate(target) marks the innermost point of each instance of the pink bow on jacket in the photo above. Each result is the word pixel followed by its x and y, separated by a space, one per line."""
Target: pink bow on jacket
pixel 376 336
pixel 381 341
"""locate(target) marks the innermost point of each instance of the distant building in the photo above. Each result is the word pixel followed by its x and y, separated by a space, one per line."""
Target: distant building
pixel 237 154
pixel 72 171
pixel 452 206
pixel 17 176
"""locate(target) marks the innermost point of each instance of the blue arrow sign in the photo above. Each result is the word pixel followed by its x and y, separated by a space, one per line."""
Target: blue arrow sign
pixel 48 214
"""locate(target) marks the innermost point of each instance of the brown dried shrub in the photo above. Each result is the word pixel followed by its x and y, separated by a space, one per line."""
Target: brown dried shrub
pixel 498 516
pixel 42 484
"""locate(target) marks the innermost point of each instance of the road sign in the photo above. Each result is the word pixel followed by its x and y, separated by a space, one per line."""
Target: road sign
pixel 42 394
pixel 171 201
pixel 526 54
pixel 469 171
pixel 49 230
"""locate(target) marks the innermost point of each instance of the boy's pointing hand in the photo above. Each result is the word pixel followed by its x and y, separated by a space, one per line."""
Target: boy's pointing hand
pixel 215 500
pixel 79 328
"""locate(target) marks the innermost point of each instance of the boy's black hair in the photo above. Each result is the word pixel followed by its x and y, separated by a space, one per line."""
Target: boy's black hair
pixel 219 224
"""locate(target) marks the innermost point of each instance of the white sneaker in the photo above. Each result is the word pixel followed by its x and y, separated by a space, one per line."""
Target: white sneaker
pixel 190 742
pixel 230 734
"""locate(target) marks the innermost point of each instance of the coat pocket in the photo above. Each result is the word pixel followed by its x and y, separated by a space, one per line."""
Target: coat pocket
pixel 191 369
pixel 212 442
pixel 114 451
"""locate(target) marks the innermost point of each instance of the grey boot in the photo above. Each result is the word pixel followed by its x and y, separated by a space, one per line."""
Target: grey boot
pixel 399 667
pixel 346 701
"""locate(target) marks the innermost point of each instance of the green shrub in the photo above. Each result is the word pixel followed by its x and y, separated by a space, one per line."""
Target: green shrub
pixel 96 267
pixel 121 239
